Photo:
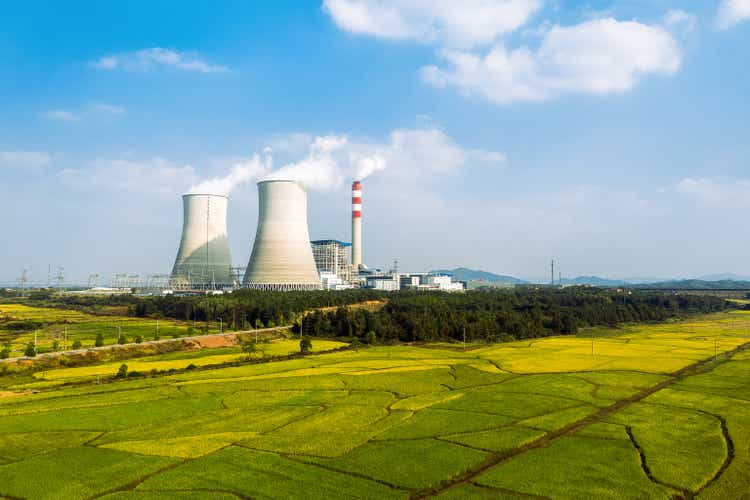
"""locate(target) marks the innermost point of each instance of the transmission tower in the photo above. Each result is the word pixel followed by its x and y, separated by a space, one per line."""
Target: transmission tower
pixel 93 280
pixel 60 278
pixel 22 281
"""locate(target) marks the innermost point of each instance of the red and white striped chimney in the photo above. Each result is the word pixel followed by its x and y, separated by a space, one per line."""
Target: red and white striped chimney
pixel 356 224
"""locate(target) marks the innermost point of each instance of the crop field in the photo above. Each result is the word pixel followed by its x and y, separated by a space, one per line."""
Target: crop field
pixel 658 411
pixel 83 327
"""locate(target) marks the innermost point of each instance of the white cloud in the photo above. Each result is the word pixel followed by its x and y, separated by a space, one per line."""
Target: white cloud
pixel 732 12
pixel 466 23
pixel 715 191
pixel 678 17
pixel 155 176
pixel 602 56
pixel 24 159
pixel 157 56
pixel 109 109
pixel 62 115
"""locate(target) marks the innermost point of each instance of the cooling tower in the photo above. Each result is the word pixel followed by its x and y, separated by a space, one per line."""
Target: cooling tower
pixel 282 257
pixel 356 225
pixel 204 260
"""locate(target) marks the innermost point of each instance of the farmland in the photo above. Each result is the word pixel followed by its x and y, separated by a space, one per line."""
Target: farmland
pixel 657 411
pixel 19 323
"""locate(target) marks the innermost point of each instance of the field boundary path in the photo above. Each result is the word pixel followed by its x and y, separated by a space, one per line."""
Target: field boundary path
pixel 200 341
pixel 497 458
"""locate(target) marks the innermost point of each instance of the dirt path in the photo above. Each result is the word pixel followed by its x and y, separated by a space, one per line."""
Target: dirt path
pixel 497 458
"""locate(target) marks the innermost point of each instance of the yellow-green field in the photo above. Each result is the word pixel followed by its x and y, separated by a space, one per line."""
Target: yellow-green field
pixel 85 327
pixel 545 418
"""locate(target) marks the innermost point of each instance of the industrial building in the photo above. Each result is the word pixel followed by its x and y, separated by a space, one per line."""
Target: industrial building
pixel 413 281
pixel 203 259
pixel 282 258
pixel 332 257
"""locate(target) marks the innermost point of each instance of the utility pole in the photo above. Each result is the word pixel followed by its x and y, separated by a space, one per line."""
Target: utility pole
pixel 35 339
pixel 221 325
pixel 464 339
pixel 65 338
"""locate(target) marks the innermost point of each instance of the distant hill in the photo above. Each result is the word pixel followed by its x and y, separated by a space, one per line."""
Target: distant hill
pixel 724 277
pixel 464 274
pixel 593 281
pixel 698 285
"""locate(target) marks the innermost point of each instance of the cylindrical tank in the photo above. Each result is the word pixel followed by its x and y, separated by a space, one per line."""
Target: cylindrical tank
pixel 204 259
pixel 282 257
pixel 356 224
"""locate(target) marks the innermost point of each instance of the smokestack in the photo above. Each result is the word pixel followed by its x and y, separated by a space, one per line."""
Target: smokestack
pixel 282 257
pixel 203 258
pixel 356 224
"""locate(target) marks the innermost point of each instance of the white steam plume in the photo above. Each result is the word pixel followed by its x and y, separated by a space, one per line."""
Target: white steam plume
pixel 241 173
pixel 331 161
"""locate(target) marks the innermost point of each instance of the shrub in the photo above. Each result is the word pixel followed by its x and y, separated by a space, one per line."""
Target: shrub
pixel 305 346
pixel 190 367
pixel 371 338
pixel 77 345
pixel 122 339
pixel 138 339
pixel 99 340
pixel 55 345
pixel 30 350
pixel 5 353
pixel 123 371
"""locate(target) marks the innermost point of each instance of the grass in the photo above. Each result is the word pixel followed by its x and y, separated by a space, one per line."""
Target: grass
pixel 391 421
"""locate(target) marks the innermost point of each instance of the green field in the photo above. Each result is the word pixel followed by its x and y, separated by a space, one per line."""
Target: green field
pixel 545 418
pixel 57 323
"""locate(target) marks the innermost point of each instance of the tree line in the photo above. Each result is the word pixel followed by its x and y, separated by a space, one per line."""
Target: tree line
pixel 502 315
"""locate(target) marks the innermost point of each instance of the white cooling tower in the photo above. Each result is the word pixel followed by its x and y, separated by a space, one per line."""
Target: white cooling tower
pixel 203 259
pixel 282 257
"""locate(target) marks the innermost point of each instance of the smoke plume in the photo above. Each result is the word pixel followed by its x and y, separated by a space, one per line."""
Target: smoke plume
pixel 241 173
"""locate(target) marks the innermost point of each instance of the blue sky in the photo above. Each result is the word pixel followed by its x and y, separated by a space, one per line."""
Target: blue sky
pixel 611 136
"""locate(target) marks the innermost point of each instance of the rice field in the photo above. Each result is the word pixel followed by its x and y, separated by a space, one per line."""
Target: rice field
pixel 61 325
pixel 547 418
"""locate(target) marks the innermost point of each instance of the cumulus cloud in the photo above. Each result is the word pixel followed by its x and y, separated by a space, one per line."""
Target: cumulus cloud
pixel 678 17
pixel 24 159
pixel 601 56
pixel 154 57
pixel 732 12
pixel 62 115
pixel 156 176
pixel 466 23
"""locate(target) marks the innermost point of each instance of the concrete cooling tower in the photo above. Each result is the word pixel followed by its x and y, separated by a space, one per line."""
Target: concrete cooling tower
pixel 282 257
pixel 204 260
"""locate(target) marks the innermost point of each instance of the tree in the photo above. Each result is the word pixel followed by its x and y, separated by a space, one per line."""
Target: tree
pixel 305 345
pixel 76 345
pixel 123 371
pixel 99 340
pixel 30 350
pixel 138 339
pixel 371 338
pixel 5 353
pixel 122 339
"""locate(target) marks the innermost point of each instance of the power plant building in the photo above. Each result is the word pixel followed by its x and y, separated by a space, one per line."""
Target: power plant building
pixel 282 258
pixel 332 257
pixel 203 260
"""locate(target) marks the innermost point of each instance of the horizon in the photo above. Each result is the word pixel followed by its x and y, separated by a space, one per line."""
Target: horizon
pixel 638 168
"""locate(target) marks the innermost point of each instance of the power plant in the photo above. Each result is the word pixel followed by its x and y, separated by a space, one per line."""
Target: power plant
pixel 203 259
pixel 282 258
